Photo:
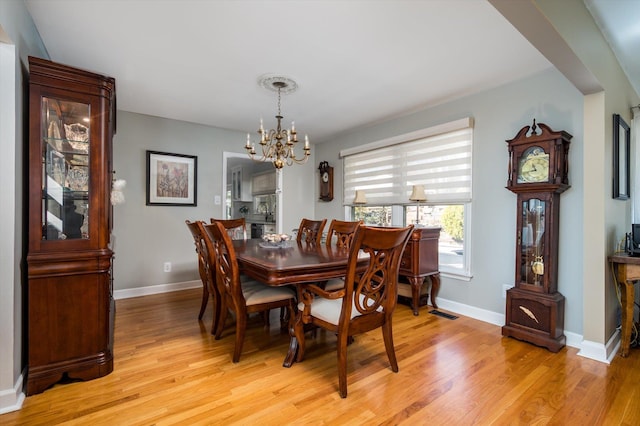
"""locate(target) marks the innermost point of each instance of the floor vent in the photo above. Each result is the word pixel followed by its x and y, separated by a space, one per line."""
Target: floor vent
pixel 443 314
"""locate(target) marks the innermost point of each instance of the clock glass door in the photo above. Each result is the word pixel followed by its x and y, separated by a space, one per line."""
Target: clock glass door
pixel 532 242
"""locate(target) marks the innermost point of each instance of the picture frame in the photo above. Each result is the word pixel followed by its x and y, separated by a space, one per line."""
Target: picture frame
pixel 172 179
pixel 621 158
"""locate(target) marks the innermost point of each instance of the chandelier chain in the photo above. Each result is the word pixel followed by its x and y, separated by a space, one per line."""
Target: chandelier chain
pixel 279 113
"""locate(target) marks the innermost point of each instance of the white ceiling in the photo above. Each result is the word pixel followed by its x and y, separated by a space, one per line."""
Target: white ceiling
pixel 356 62
pixel 619 21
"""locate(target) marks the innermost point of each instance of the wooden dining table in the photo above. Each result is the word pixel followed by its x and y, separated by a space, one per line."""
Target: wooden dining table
pixel 294 264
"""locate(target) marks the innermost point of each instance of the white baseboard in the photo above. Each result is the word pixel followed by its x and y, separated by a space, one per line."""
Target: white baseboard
pixel 155 289
pixel 471 312
pixel 573 340
pixel 12 399
pixel 598 351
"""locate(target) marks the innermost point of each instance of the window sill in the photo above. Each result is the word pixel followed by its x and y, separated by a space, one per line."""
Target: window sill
pixel 456 275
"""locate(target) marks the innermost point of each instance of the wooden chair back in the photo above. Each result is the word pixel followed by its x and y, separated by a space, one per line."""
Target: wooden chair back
pixel 373 293
pixel 236 228
pixel 367 301
pixel 205 270
pixel 223 257
pixel 310 231
pixel 343 232
pixel 260 298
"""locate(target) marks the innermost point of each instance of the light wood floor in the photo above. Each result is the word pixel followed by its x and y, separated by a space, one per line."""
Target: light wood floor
pixel 169 370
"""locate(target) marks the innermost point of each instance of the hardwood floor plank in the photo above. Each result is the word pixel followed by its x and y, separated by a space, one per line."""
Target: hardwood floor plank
pixel 169 370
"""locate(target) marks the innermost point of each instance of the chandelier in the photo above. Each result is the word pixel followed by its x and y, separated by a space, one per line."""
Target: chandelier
pixel 278 144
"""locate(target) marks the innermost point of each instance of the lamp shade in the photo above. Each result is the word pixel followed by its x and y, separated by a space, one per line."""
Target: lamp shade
pixel 360 198
pixel 418 193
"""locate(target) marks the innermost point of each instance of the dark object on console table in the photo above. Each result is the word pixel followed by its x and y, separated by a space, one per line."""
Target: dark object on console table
pixel 627 270
pixel 70 299
pixel 420 260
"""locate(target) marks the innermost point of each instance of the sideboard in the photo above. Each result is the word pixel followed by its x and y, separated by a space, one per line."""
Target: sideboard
pixel 420 260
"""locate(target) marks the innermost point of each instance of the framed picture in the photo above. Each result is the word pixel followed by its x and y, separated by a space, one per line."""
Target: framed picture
pixel 171 179
pixel 621 158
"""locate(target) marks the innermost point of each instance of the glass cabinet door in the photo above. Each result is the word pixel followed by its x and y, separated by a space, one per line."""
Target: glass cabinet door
pixel 532 242
pixel 65 166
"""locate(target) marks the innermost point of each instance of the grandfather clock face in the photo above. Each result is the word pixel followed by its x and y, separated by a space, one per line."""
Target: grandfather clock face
pixel 533 165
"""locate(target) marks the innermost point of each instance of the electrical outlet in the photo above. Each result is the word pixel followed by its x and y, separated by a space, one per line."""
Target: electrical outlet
pixel 505 287
pixel 167 266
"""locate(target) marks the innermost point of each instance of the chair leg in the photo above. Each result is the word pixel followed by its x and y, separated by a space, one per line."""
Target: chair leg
pixel 286 315
pixel 241 326
pixel 205 299
pixel 265 318
pixel 215 298
pixel 387 335
pixel 342 364
pixel 298 332
pixel 222 319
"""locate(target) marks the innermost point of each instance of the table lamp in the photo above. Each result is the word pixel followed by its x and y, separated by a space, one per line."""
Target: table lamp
pixel 360 198
pixel 418 195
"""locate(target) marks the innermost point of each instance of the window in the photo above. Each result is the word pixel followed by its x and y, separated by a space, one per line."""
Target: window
pixel 439 158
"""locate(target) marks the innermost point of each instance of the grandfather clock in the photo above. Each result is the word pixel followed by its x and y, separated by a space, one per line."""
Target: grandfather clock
pixel 538 174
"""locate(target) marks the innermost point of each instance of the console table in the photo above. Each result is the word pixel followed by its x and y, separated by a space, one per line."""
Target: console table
pixel 627 269
pixel 420 260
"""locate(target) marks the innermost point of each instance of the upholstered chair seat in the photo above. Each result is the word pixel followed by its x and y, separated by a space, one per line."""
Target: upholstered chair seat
pixel 329 309
pixel 256 293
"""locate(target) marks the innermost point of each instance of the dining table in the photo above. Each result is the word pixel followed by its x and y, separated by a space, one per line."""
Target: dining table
pixel 292 263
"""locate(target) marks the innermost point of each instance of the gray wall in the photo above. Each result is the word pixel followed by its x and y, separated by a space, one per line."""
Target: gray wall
pixel 18 39
pixel 147 236
pixel 499 114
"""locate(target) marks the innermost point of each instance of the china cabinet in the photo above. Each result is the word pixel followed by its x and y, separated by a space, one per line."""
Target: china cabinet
pixel 70 303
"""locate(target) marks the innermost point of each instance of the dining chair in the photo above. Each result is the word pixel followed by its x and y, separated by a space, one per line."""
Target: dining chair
pixel 367 300
pixel 206 273
pixel 343 233
pixel 310 231
pixel 237 228
pixel 245 297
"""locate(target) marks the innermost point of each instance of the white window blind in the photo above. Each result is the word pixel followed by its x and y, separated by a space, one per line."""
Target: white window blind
pixel 440 161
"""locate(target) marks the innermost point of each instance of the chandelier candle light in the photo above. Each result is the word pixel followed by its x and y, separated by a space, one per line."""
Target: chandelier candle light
pixel 278 144
pixel 418 195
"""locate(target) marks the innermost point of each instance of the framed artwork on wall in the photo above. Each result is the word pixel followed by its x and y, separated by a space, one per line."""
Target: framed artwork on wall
pixel 171 179
pixel 621 158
